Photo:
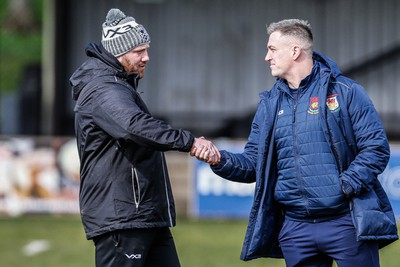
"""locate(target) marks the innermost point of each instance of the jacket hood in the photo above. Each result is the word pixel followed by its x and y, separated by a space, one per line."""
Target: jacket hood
pixel 100 63
pixel 327 64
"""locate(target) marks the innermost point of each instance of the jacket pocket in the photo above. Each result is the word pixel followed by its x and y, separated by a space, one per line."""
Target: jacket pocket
pixel 135 187
pixel 370 220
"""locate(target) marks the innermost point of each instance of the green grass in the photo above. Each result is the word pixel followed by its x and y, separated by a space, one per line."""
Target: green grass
pixel 68 248
pixel 200 243
pixel 203 243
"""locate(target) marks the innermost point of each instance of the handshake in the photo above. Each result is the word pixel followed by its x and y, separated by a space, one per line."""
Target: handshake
pixel 205 150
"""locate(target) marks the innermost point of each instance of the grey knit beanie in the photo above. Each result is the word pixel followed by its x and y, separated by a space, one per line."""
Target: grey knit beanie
pixel 121 33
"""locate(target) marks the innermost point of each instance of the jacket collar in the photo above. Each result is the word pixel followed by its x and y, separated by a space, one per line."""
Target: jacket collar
pixel 99 52
pixel 326 67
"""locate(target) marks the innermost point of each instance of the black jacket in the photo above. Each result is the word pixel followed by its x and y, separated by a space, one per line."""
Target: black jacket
pixel 124 177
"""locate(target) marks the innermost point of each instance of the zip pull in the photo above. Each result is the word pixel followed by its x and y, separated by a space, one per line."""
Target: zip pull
pixel 135 178
pixel 294 112
pixel 296 101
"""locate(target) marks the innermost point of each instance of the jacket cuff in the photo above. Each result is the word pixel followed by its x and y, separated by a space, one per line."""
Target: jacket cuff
pixel 221 163
pixel 347 189
pixel 189 144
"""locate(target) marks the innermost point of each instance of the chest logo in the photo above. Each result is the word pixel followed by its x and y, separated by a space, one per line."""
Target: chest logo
pixel 333 103
pixel 313 106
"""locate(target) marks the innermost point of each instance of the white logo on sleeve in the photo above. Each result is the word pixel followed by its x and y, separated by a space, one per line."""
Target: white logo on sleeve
pixel 134 256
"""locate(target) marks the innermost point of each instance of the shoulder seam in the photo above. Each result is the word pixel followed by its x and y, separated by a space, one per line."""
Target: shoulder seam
pixel 343 84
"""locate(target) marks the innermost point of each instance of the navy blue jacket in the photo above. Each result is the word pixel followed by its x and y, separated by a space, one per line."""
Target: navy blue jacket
pixel 124 176
pixel 358 142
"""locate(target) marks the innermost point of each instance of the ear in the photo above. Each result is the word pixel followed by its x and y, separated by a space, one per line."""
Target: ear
pixel 296 51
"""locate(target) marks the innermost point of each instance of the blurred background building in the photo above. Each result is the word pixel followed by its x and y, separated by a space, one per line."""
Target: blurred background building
pixel 207 58
pixel 206 71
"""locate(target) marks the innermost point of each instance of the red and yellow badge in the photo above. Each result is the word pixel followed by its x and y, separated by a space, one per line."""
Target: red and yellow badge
pixel 313 106
pixel 333 103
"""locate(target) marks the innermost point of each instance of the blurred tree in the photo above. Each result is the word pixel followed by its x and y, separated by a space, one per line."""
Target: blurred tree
pixel 20 17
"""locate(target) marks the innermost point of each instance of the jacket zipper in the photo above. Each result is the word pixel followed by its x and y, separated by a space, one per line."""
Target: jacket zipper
pixel 135 180
pixel 166 191
pixel 295 148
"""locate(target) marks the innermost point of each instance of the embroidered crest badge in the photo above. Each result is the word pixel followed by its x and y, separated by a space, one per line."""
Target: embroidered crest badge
pixel 333 103
pixel 313 106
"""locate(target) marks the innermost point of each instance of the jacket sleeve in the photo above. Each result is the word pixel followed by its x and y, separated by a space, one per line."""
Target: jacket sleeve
pixel 241 167
pixel 372 147
pixel 117 113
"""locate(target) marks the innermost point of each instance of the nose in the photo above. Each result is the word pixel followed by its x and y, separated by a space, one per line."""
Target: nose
pixel 267 57
pixel 145 57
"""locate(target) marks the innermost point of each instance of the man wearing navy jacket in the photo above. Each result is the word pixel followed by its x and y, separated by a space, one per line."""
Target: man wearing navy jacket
pixel 315 150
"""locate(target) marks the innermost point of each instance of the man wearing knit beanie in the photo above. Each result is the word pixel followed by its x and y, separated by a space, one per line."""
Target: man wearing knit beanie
pixel 122 33
pixel 126 201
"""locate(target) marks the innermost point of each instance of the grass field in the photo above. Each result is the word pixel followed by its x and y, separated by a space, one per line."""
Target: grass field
pixel 200 244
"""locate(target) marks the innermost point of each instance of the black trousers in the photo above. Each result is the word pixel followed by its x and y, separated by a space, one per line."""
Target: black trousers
pixel 150 247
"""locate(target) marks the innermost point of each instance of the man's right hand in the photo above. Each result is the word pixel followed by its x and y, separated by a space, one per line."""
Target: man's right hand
pixel 205 150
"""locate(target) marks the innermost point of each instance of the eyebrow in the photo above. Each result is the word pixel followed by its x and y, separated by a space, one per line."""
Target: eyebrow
pixel 141 49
